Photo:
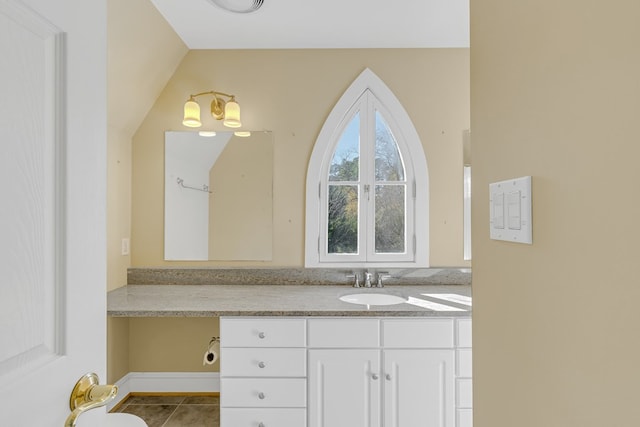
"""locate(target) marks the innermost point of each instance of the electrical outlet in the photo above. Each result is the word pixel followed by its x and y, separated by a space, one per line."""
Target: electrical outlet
pixel 125 246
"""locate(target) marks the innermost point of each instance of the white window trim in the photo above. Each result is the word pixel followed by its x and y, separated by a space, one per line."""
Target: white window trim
pixel 413 156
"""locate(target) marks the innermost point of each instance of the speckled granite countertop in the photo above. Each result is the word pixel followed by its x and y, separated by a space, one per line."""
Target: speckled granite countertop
pixel 282 300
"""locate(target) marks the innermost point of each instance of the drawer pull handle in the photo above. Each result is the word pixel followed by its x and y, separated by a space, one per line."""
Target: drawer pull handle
pixel 374 376
pixel 261 365
pixel 261 395
pixel 261 335
pixel 388 377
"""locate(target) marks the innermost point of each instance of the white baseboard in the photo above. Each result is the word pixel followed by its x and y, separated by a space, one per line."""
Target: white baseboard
pixel 165 382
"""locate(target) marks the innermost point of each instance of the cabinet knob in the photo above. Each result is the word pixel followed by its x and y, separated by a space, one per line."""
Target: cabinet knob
pixel 261 395
pixel 261 365
pixel 374 376
pixel 261 335
pixel 388 377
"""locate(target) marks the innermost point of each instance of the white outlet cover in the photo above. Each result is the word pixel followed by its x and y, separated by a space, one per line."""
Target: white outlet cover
pixel 125 246
pixel 510 210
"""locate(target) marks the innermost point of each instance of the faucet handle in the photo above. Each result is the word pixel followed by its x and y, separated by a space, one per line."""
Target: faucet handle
pixel 381 275
pixel 356 279
pixel 367 279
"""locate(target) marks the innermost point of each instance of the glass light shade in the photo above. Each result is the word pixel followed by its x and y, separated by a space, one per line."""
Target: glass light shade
pixel 191 114
pixel 207 133
pixel 232 115
pixel 242 133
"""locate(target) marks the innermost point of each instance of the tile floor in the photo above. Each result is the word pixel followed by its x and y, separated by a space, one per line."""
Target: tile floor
pixel 174 411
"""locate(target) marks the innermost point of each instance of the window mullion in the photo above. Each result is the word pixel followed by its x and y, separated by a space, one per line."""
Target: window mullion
pixel 368 137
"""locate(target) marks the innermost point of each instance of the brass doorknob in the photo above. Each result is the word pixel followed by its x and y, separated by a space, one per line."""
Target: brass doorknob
pixel 88 394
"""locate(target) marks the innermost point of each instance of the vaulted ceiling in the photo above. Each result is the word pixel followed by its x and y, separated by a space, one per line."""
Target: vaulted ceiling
pixel 281 24
pixel 147 39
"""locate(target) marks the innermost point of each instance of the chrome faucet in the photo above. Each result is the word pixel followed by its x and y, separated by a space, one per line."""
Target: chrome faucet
pixel 368 278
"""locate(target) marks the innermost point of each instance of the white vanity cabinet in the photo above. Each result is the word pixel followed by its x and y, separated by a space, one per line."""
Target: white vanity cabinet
pixel 381 372
pixel 345 372
pixel 263 372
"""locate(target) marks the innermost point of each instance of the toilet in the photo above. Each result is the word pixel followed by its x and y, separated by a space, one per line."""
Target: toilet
pixel 124 420
pixel 114 420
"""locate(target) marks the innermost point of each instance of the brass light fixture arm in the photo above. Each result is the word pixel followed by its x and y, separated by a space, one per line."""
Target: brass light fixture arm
pixel 211 92
pixel 86 395
pixel 218 104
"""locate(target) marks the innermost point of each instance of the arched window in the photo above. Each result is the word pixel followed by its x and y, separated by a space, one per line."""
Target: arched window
pixel 367 184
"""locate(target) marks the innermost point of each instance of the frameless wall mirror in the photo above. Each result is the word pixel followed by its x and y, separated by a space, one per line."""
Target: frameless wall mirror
pixel 466 167
pixel 218 196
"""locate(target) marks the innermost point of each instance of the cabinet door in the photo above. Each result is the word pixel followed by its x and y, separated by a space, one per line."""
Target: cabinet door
pixel 419 388
pixel 344 388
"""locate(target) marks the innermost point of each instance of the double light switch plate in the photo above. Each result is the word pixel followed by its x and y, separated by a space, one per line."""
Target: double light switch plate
pixel 510 210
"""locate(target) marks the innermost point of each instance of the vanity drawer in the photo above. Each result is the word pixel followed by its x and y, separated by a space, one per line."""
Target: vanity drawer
pixel 263 392
pixel 264 362
pixel 266 417
pixel 260 332
pixel 344 333
pixel 415 333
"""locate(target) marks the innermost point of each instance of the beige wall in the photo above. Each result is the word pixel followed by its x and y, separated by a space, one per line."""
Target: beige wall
pixel 118 205
pixel 171 344
pixel 291 92
pixel 118 226
pixel 143 52
pixel 556 95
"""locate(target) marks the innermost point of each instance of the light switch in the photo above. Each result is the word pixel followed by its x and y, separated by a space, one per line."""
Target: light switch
pixel 510 216
pixel 498 210
pixel 513 210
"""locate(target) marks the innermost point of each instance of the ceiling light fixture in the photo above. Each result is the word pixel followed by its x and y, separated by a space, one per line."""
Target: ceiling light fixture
pixel 227 111
pixel 239 6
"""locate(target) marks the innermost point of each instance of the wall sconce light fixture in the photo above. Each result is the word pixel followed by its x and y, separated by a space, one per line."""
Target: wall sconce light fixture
pixel 227 111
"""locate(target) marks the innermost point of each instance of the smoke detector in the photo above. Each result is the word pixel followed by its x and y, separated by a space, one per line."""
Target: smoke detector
pixel 238 6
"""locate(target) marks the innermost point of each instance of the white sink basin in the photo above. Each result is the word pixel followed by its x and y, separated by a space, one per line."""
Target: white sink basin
pixel 373 299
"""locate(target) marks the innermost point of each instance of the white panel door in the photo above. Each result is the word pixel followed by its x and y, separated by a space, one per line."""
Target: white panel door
pixel 344 388
pixel 52 206
pixel 419 388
